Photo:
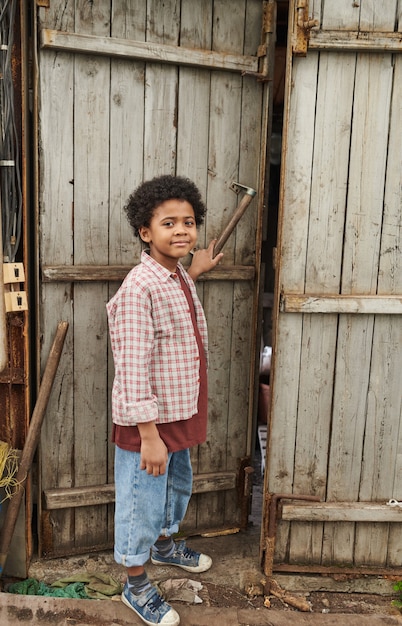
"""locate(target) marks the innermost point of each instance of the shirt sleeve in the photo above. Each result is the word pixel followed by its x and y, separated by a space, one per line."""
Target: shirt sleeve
pixel 134 339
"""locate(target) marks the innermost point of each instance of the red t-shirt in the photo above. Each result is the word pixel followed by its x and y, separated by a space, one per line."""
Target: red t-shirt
pixel 185 433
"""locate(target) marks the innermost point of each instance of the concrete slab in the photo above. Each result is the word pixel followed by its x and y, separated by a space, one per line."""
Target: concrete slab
pixel 18 610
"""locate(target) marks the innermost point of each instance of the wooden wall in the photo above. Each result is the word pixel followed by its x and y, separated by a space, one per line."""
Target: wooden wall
pixel 337 402
pixel 108 120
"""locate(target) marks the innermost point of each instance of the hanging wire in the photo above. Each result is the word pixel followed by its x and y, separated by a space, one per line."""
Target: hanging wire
pixel 10 176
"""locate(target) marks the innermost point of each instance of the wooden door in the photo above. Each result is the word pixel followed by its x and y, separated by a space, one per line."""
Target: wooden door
pixel 129 90
pixel 337 362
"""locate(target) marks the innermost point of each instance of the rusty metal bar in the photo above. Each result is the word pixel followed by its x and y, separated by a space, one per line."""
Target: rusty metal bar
pixel 245 482
pixel 273 514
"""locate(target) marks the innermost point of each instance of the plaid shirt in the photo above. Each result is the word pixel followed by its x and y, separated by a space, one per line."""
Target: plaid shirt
pixel 154 346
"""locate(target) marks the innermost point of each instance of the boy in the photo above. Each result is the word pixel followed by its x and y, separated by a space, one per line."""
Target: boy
pixel 159 401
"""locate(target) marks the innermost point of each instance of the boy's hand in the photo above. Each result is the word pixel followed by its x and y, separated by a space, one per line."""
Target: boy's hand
pixel 154 453
pixel 203 261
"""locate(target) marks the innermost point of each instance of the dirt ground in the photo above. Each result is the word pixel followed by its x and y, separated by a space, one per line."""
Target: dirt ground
pixel 224 596
pixel 320 602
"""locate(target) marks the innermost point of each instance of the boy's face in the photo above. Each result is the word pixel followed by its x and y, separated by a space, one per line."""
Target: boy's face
pixel 172 232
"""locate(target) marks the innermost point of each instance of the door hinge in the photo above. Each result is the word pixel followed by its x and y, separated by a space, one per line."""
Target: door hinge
pixel 302 26
pixel 269 17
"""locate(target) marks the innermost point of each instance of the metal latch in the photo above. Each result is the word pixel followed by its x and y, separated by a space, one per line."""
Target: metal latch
pixel 301 28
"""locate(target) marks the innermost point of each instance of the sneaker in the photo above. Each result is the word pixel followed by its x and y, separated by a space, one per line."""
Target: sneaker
pixel 150 607
pixel 185 558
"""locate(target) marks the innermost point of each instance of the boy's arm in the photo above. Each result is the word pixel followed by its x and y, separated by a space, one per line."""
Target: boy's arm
pixel 203 261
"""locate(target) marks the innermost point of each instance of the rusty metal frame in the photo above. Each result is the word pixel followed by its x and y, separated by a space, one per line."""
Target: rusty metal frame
pixel 271 516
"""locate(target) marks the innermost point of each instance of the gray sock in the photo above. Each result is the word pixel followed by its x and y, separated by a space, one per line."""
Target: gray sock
pixel 139 584
pixel 165 547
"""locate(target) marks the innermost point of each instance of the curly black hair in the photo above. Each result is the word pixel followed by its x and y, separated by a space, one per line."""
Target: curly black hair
pixel 150 194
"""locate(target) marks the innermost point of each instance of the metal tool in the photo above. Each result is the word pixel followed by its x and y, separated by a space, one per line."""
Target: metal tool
pixel 249 194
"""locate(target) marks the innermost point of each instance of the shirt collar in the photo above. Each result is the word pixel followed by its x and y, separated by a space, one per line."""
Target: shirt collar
pixel 161 272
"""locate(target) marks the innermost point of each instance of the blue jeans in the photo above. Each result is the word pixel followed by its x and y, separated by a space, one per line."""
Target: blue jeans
pixel 148 506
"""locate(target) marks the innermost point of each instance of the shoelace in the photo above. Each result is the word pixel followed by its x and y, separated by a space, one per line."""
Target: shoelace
pixel 155 602
pixel 186 552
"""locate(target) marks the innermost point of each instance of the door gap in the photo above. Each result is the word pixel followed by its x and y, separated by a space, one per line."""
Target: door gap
pixel 268 251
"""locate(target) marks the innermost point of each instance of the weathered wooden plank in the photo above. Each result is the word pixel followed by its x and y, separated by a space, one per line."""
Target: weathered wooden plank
pixel 193 139
pixel 390 335
pixel 146 51
pixel 298 146
pixel 96 273
pixel 127 94
pixel 91 178
pixel 57 16
pixel 323 269
pixel 350 393
pixel 355 41
pixel 328 192
pixel 254 132
pixel 368 164
pixel 161 83
pixel 370 20
pixel 342 15
pixel 341 512
pixel 381 471
pixel 360 274
pixel 371 15
pixel 56 448
pixel 56 246
pixel 194 86
pixel 378 15
pixel 309 303
pixel 222 167
pixel 96 495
